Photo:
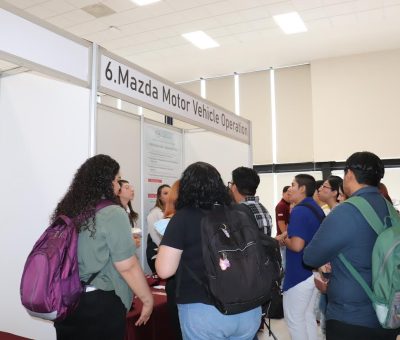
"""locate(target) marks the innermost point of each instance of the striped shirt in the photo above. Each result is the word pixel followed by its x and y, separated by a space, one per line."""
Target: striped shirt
pixel 260 213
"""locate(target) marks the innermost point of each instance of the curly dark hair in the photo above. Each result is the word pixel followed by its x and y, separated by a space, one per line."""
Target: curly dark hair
pixel 91 183
pixel 201 186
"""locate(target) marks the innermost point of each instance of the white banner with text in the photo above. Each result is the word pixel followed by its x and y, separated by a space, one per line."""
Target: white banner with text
pixel 169 99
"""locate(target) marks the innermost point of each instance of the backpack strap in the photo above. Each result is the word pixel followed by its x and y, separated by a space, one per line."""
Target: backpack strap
pixel 393 214
pixel 313 209
pixel 368 212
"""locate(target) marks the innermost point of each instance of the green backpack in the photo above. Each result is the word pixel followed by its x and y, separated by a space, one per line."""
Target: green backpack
pixel 385 292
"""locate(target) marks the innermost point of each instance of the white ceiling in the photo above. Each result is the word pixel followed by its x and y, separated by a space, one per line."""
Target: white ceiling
pixel 150 36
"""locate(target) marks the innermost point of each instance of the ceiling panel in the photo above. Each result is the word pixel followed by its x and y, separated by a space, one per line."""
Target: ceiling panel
pixel 151 35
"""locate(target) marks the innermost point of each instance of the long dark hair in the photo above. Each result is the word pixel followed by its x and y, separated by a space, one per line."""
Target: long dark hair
pixel 201 186
pixel 132 214
pixel 91 183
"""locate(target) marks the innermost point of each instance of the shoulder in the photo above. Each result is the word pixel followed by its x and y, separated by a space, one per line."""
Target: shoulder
pixel 188 213
pixel 112 211
pixel 156 211
pixel 111 216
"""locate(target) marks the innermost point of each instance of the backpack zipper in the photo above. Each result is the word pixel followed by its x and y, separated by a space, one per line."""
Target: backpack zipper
pixel 237 249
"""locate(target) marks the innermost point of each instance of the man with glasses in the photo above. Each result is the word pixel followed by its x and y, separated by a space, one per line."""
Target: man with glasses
pixel 243 188
pixel 350 314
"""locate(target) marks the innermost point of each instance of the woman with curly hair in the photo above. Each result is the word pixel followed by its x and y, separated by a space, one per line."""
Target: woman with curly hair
pixel 201 187
pixel 105 247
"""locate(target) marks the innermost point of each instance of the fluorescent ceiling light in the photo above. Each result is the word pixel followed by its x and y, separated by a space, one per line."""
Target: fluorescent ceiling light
pixel 290 22
pixel 144 2
pixel 200 39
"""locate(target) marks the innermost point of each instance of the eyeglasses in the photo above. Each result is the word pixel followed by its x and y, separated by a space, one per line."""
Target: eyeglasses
pixel 326 187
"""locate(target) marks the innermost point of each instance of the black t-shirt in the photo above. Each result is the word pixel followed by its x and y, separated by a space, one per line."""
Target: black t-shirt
pixel 183 232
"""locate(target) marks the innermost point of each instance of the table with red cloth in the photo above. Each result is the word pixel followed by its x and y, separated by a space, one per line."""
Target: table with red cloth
pixel 9 336
pixel 158 327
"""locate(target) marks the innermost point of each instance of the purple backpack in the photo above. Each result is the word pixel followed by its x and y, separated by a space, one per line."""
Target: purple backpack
pixel 50 284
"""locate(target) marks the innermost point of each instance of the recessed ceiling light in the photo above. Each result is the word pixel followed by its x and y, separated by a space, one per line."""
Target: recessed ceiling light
pixel 200 39
pixel 290 23
pixel 144 2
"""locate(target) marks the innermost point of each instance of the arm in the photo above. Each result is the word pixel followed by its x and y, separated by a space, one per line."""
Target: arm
pixel 282 226
pixel 334 234
pixel 132 273
pixel 167 261
pixel 294 243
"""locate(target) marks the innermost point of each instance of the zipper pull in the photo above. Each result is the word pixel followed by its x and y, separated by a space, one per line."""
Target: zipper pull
pixel 225 230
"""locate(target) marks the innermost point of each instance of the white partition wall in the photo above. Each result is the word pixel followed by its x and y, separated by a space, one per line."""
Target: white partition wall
pixel 118 135
pixel 44 138
pixel 222 152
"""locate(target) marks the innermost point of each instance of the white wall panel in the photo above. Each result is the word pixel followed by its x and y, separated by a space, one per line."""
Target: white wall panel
pixel 44 138
pixel 255 105
pixel 356 105
pixel 294 119
pixel 118 135
pixel 223 153
pixel 221 91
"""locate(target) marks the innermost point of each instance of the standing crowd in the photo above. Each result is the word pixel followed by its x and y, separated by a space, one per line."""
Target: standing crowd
pixel 315 225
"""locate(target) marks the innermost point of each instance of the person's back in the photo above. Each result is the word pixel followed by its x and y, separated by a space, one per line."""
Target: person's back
pixel 350 314
pixel 201 187
pixel 243 189
pixel 106 256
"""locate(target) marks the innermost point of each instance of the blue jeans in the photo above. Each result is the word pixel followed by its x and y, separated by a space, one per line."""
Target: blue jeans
pixel 204 322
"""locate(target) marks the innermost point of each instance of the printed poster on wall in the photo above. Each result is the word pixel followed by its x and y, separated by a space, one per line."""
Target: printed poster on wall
pixel 162 161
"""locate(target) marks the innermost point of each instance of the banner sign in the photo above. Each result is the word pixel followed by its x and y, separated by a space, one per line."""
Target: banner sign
pixel 170 99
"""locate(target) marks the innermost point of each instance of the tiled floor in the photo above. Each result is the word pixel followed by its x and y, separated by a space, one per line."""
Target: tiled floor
pixel 280 330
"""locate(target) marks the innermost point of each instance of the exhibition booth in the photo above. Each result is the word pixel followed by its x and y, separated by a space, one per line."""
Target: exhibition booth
pixel 64 99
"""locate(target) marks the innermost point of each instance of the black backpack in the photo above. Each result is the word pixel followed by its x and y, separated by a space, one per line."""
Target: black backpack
pixel 242 264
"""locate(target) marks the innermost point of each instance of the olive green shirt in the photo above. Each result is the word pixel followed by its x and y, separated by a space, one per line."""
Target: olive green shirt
pixel 112 242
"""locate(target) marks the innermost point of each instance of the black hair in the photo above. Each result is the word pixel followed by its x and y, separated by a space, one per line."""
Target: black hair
pixel 308 181
pixel 285 188
pixel 91 183
pixel 132 214
pixel 335 182
pixel 246 180
pixel 318 183
pixel 201 186
pixel 367 167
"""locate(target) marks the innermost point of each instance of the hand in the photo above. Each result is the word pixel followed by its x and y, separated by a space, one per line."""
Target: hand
pixel 281 238
pixel 145 314
pixel 322 285
pixel 137 240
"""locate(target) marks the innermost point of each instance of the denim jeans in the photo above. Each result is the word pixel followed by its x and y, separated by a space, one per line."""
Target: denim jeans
pixel 204 322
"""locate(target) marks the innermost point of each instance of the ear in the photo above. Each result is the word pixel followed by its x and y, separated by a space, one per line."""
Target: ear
pixel 350 175
pixel 302 189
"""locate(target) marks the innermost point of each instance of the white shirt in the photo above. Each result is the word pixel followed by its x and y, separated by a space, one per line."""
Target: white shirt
pixel 155 215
